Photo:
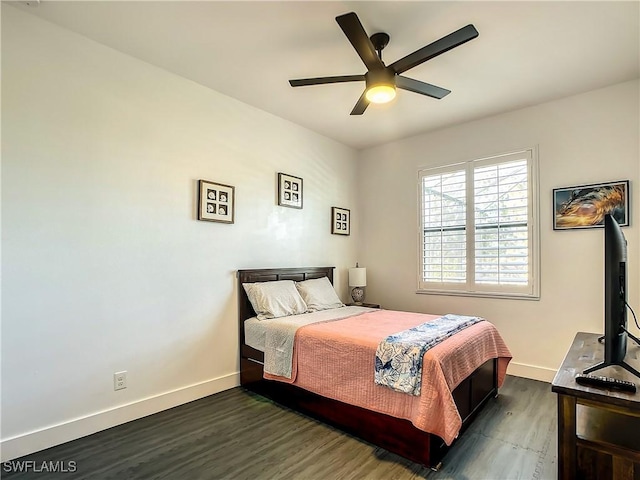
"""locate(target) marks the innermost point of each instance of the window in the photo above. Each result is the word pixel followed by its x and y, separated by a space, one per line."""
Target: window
pixel 478 227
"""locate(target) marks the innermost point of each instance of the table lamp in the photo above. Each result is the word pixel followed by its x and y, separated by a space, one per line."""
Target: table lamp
pixel 357 280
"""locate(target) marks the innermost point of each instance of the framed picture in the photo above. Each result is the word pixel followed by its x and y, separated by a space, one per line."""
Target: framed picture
pixel 585 206
pixel 340 221
pixel 216 202
pixel 289 191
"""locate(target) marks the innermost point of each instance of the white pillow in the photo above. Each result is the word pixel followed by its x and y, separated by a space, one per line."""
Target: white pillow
pixel 274 299
pixel 318 294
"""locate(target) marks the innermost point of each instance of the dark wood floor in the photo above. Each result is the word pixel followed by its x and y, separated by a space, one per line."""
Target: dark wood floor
pixel 239 435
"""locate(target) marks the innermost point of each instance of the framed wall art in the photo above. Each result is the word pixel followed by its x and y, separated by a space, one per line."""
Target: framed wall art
pixel 340 221
pixel 289 191
pixel 216 202
pixel 585 206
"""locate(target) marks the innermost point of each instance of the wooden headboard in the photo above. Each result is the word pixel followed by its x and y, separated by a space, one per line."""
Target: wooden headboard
pixel 245 310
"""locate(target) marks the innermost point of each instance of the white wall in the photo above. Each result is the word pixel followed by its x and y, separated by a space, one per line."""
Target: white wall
pixel 104 266
pixel 582 139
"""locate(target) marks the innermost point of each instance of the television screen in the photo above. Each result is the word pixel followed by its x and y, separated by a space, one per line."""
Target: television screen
pixel 615 298
pixel 615 292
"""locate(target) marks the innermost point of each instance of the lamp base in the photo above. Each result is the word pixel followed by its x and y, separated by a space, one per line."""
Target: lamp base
pixel 357 294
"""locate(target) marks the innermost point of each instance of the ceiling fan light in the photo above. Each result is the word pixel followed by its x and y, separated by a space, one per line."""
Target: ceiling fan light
pixel 381 93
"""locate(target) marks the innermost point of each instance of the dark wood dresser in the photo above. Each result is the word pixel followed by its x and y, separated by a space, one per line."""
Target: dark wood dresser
pixel 598 429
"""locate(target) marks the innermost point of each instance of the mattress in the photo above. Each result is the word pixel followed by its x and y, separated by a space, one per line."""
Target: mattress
pixel 255 330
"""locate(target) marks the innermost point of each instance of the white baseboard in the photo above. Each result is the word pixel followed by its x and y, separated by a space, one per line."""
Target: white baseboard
pixel 37 440
pixel 534 372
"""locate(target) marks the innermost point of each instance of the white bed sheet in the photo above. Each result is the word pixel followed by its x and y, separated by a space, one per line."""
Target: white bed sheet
pixel 255 330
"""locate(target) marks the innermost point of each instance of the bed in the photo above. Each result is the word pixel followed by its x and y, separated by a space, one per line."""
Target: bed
pixel 397 435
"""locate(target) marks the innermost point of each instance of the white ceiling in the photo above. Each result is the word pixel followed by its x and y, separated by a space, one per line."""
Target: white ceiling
pixel 526 53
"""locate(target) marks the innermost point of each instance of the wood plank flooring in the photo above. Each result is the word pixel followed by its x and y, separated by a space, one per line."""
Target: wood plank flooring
pixel 237 435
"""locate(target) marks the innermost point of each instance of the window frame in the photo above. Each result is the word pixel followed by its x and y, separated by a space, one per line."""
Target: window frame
pixel 470 288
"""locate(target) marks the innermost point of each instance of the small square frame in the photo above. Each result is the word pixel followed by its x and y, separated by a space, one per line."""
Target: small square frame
pixel 289 191
pixel 216 202
pixel 570 213
pixel 340 221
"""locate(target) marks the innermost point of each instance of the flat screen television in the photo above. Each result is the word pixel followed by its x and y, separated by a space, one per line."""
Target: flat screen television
pixel 615 298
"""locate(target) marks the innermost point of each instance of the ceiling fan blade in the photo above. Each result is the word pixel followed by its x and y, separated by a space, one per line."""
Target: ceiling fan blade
pixel 322 80
pixel 422 88
pixel 353 29
pixel 361 106
pixel 434 49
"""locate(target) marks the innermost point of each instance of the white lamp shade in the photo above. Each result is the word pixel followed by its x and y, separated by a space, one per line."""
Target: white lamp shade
pixel 358 277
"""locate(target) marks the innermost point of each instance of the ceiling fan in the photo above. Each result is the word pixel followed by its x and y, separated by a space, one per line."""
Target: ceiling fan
pixel 381 80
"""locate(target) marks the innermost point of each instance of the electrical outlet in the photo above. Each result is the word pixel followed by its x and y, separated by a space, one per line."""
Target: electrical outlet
pixel 120 380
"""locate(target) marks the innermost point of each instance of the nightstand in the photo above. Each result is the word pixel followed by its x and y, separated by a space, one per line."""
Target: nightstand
pixel 370 305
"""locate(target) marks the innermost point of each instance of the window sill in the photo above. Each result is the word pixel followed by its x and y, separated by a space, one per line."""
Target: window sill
pixel 461 293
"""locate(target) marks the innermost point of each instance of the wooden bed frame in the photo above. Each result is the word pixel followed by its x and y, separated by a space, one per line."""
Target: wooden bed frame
pixel 393 434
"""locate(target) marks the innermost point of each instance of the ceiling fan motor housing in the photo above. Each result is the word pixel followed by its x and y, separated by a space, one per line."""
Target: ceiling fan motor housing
pixel 384 76
pixel 381 85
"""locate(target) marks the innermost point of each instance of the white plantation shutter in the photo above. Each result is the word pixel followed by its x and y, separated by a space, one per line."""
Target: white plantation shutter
pixel 444 247
pixel 478 235
pixel 501 233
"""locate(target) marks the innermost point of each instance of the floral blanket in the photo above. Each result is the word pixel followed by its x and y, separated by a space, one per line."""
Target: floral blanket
pixel 398 363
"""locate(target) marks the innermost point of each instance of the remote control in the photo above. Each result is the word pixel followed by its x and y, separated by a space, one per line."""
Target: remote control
pixel 606 382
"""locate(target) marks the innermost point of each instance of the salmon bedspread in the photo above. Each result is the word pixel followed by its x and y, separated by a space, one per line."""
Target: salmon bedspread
pixel 336 359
